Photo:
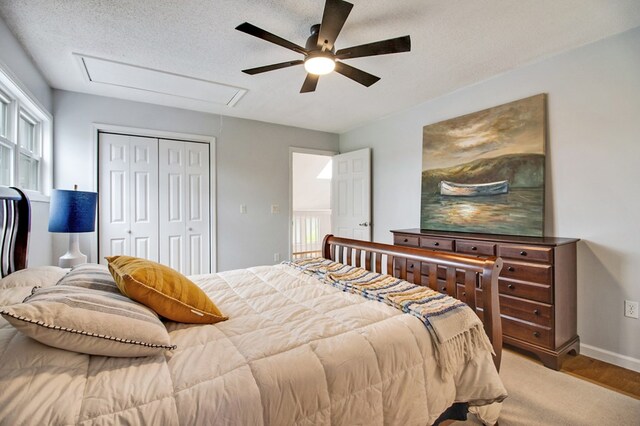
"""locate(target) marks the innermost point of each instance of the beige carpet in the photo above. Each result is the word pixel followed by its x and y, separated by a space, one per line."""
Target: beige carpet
pixel 541 396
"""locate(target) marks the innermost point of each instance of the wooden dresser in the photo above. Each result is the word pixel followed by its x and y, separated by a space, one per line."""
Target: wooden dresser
pixel 537 286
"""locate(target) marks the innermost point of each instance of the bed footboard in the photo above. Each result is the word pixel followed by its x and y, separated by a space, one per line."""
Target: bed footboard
pixel 455 274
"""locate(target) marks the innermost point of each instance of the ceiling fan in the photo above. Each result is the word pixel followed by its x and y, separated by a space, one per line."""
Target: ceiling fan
pixel 320 55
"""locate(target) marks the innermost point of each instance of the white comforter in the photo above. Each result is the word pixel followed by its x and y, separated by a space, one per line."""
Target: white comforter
pixel 294 351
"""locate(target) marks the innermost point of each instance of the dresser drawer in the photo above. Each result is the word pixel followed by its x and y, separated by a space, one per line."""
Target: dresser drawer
pixel 436 243
pixel 532 333
pixel 476 247
pixel 526 310
pixel 406 240
pixel 515 251
pixel 538 292
pixel 534 272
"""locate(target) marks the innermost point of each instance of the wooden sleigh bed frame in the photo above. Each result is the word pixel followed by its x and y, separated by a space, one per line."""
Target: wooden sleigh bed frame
pixel 15 225
pixel 457 275
pixel 446 271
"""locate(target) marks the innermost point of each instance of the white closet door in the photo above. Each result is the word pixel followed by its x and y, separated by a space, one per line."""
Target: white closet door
pixel 172 204
pixel 184 206
pixel 144 197
pixel 128 214
pixel 197 192
pixel 113 192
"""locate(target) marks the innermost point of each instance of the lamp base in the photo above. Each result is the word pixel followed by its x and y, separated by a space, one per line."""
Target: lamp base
pixel 73 256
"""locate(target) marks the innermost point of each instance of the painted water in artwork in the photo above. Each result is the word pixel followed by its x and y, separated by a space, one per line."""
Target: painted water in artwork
pixel 484 172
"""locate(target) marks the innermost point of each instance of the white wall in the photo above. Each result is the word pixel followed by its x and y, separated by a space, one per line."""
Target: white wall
pixel 18 64
pixel 592 182
pixel 252 167
pixel 309 192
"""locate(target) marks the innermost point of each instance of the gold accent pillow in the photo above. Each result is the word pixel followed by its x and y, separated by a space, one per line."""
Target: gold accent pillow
pixel 165 290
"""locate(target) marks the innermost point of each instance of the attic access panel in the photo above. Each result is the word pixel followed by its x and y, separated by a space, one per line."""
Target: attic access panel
pixel 104 71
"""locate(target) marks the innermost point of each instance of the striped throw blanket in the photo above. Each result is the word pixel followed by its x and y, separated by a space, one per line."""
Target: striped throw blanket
pixel 456 330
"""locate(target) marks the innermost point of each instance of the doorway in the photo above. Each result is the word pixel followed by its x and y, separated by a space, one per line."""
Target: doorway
pixel 310 201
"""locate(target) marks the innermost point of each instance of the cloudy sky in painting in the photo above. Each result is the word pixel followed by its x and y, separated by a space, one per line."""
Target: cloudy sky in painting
pixel 513 128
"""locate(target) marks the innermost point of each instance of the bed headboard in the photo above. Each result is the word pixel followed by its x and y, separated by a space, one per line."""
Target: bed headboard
pixel 15 226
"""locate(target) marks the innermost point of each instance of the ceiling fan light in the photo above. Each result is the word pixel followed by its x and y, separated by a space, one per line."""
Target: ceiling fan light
pixel 319 65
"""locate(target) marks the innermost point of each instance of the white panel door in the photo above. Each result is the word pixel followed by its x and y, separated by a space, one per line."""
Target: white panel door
pixel 197 204
pixel 184 206
pixel 144 197
pixel 351 195
pixel 127 217
pixel 172 204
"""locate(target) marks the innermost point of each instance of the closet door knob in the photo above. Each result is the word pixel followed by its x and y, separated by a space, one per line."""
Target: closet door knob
pixel 190 229
pixel 128 231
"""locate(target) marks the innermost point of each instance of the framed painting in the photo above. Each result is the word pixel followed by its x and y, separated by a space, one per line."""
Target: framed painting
pixel 484 171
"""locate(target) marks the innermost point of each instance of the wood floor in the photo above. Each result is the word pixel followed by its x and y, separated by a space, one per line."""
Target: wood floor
pixel 607 375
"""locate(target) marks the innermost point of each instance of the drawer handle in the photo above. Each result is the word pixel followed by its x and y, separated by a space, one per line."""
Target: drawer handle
pixel 511 269
pixel 523 253
pixel 444 288
pixel 536 334
pixel 464 293
pixel 511 286
pixel 406 240
pixel 536 312
pixel 436 243
pixel 411 266
pixel 474 248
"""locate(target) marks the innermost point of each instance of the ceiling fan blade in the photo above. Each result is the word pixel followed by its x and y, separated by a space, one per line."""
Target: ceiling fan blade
pixel 272 38
pixel 258 70
pixel 355 74
pixel 384 47
pixel 333 18
pixel 310 83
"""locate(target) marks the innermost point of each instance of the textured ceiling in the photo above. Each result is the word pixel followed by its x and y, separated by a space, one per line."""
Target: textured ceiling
pixel 454 43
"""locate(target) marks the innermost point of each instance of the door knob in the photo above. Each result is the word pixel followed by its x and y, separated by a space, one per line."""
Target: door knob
pixel 129 231
pixel 190 229
pixel 365 224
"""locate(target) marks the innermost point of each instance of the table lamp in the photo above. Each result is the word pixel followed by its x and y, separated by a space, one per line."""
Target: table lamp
pixel 72 212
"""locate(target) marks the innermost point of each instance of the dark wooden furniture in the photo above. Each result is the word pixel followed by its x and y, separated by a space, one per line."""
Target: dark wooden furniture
pixel 475 273
pixel 537 286
pixel 15 226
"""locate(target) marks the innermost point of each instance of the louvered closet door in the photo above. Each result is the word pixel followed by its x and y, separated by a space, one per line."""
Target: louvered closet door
pixel 184 206
pixel 127 188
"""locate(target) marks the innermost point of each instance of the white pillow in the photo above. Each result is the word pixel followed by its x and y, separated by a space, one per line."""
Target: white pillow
pixel 89 321
pixel 42 276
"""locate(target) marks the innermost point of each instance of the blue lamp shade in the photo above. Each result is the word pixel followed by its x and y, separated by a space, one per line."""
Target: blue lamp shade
pixel 72 211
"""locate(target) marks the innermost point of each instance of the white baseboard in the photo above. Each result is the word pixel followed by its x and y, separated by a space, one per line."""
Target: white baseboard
pixel 610 357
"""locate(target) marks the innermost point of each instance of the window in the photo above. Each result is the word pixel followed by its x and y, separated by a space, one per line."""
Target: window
pixel 4 110
pixel 25 139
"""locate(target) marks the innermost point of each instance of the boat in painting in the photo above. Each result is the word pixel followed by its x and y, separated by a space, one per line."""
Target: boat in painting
pixel 473 190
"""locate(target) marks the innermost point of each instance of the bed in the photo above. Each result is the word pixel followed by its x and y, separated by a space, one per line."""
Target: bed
pixel 294 351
